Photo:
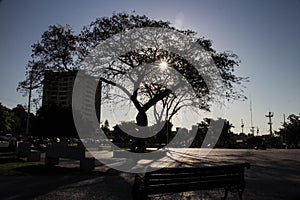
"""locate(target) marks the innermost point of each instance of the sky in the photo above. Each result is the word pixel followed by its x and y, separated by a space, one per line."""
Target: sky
pixel 264 34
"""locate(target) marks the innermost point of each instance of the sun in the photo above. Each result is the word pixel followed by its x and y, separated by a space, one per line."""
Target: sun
pixel 163 65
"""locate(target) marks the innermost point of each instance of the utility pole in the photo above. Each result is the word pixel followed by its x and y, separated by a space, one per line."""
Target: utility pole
pixel 167 125
pixel 252 127
pixel 28 113
pixel 242 126
pixel 270 115
pixel 284 126
pixel 29 105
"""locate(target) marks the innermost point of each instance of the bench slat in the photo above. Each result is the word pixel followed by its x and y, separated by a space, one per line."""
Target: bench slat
pixel 208 169
pixel 183 187
pixel 174 180
pixel 234 178
pixel 199 173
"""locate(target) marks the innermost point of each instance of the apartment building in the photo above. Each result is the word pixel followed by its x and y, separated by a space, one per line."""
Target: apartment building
pixel 58 89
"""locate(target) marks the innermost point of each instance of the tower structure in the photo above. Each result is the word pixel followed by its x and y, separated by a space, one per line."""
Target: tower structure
pixel 242 125
pixel 270 115
pixel 251 116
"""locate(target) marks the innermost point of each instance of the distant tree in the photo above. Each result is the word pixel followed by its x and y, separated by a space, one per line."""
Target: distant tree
pixel 54 121
pixel 56 51
pixel 164 134
pixel 201 132
pixel 120 135
pixel 105 128
pixel 291 130
pixel 19 116
pixel 33 79
pixel 254 141
pixel 225 138
pixel 6 121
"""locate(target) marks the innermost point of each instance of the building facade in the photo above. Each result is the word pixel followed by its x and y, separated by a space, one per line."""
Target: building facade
pixel 58 87
pixel 58 90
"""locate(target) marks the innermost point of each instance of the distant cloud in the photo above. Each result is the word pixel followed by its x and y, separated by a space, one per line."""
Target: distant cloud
pixel 179 20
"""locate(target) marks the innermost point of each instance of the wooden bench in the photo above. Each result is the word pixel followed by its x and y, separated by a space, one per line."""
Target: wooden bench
pixel 175 180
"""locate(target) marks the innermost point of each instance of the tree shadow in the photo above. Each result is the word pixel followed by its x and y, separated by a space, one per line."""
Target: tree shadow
pixel 46 182
pixel 189 159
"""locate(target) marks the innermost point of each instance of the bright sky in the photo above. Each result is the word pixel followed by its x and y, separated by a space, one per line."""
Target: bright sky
pixel 265 35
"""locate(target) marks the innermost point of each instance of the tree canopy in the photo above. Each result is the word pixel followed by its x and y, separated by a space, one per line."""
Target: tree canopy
pixel 291 131
pixel 60 49
pixel 13 121
pixel 6 121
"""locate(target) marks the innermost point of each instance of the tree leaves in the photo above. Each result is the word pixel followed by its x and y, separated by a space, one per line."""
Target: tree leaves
pixel 60 49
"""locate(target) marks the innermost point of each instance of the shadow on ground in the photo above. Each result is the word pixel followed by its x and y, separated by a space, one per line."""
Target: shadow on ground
pixel 64 183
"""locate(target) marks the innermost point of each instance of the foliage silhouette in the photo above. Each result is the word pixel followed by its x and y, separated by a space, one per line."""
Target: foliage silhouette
pixel 61 50
pixel 291 131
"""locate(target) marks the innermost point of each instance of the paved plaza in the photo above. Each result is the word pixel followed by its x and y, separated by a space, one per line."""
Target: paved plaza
pixel 274 174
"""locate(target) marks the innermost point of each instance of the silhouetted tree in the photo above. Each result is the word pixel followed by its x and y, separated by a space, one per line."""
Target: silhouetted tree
pixel 146 94
pixel 6 120
pixel 120 135
pixel 19 115
pixel 105 128
pixel 254 141
pixel 54 121
pixel 225 138
pixel 56 51
pixel 164 134
pixel 291 130
pixel 201 132
pixel 61 50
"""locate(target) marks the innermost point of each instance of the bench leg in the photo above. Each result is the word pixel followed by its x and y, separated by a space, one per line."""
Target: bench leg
pixel 139 195
pixel 137 192
pixel 240 192
pixel 226 194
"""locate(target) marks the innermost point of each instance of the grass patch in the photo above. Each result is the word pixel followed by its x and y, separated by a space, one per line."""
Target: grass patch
pixel 92 149
pixel 10 165
pixel 41 170
pixel 11 168
pixel 7 155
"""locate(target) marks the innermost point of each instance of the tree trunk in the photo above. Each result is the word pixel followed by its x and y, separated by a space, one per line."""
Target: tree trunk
pixel 139 144
pixel 141 119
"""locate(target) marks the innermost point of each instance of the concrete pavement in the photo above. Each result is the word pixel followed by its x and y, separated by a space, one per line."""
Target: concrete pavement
pixel 274 174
